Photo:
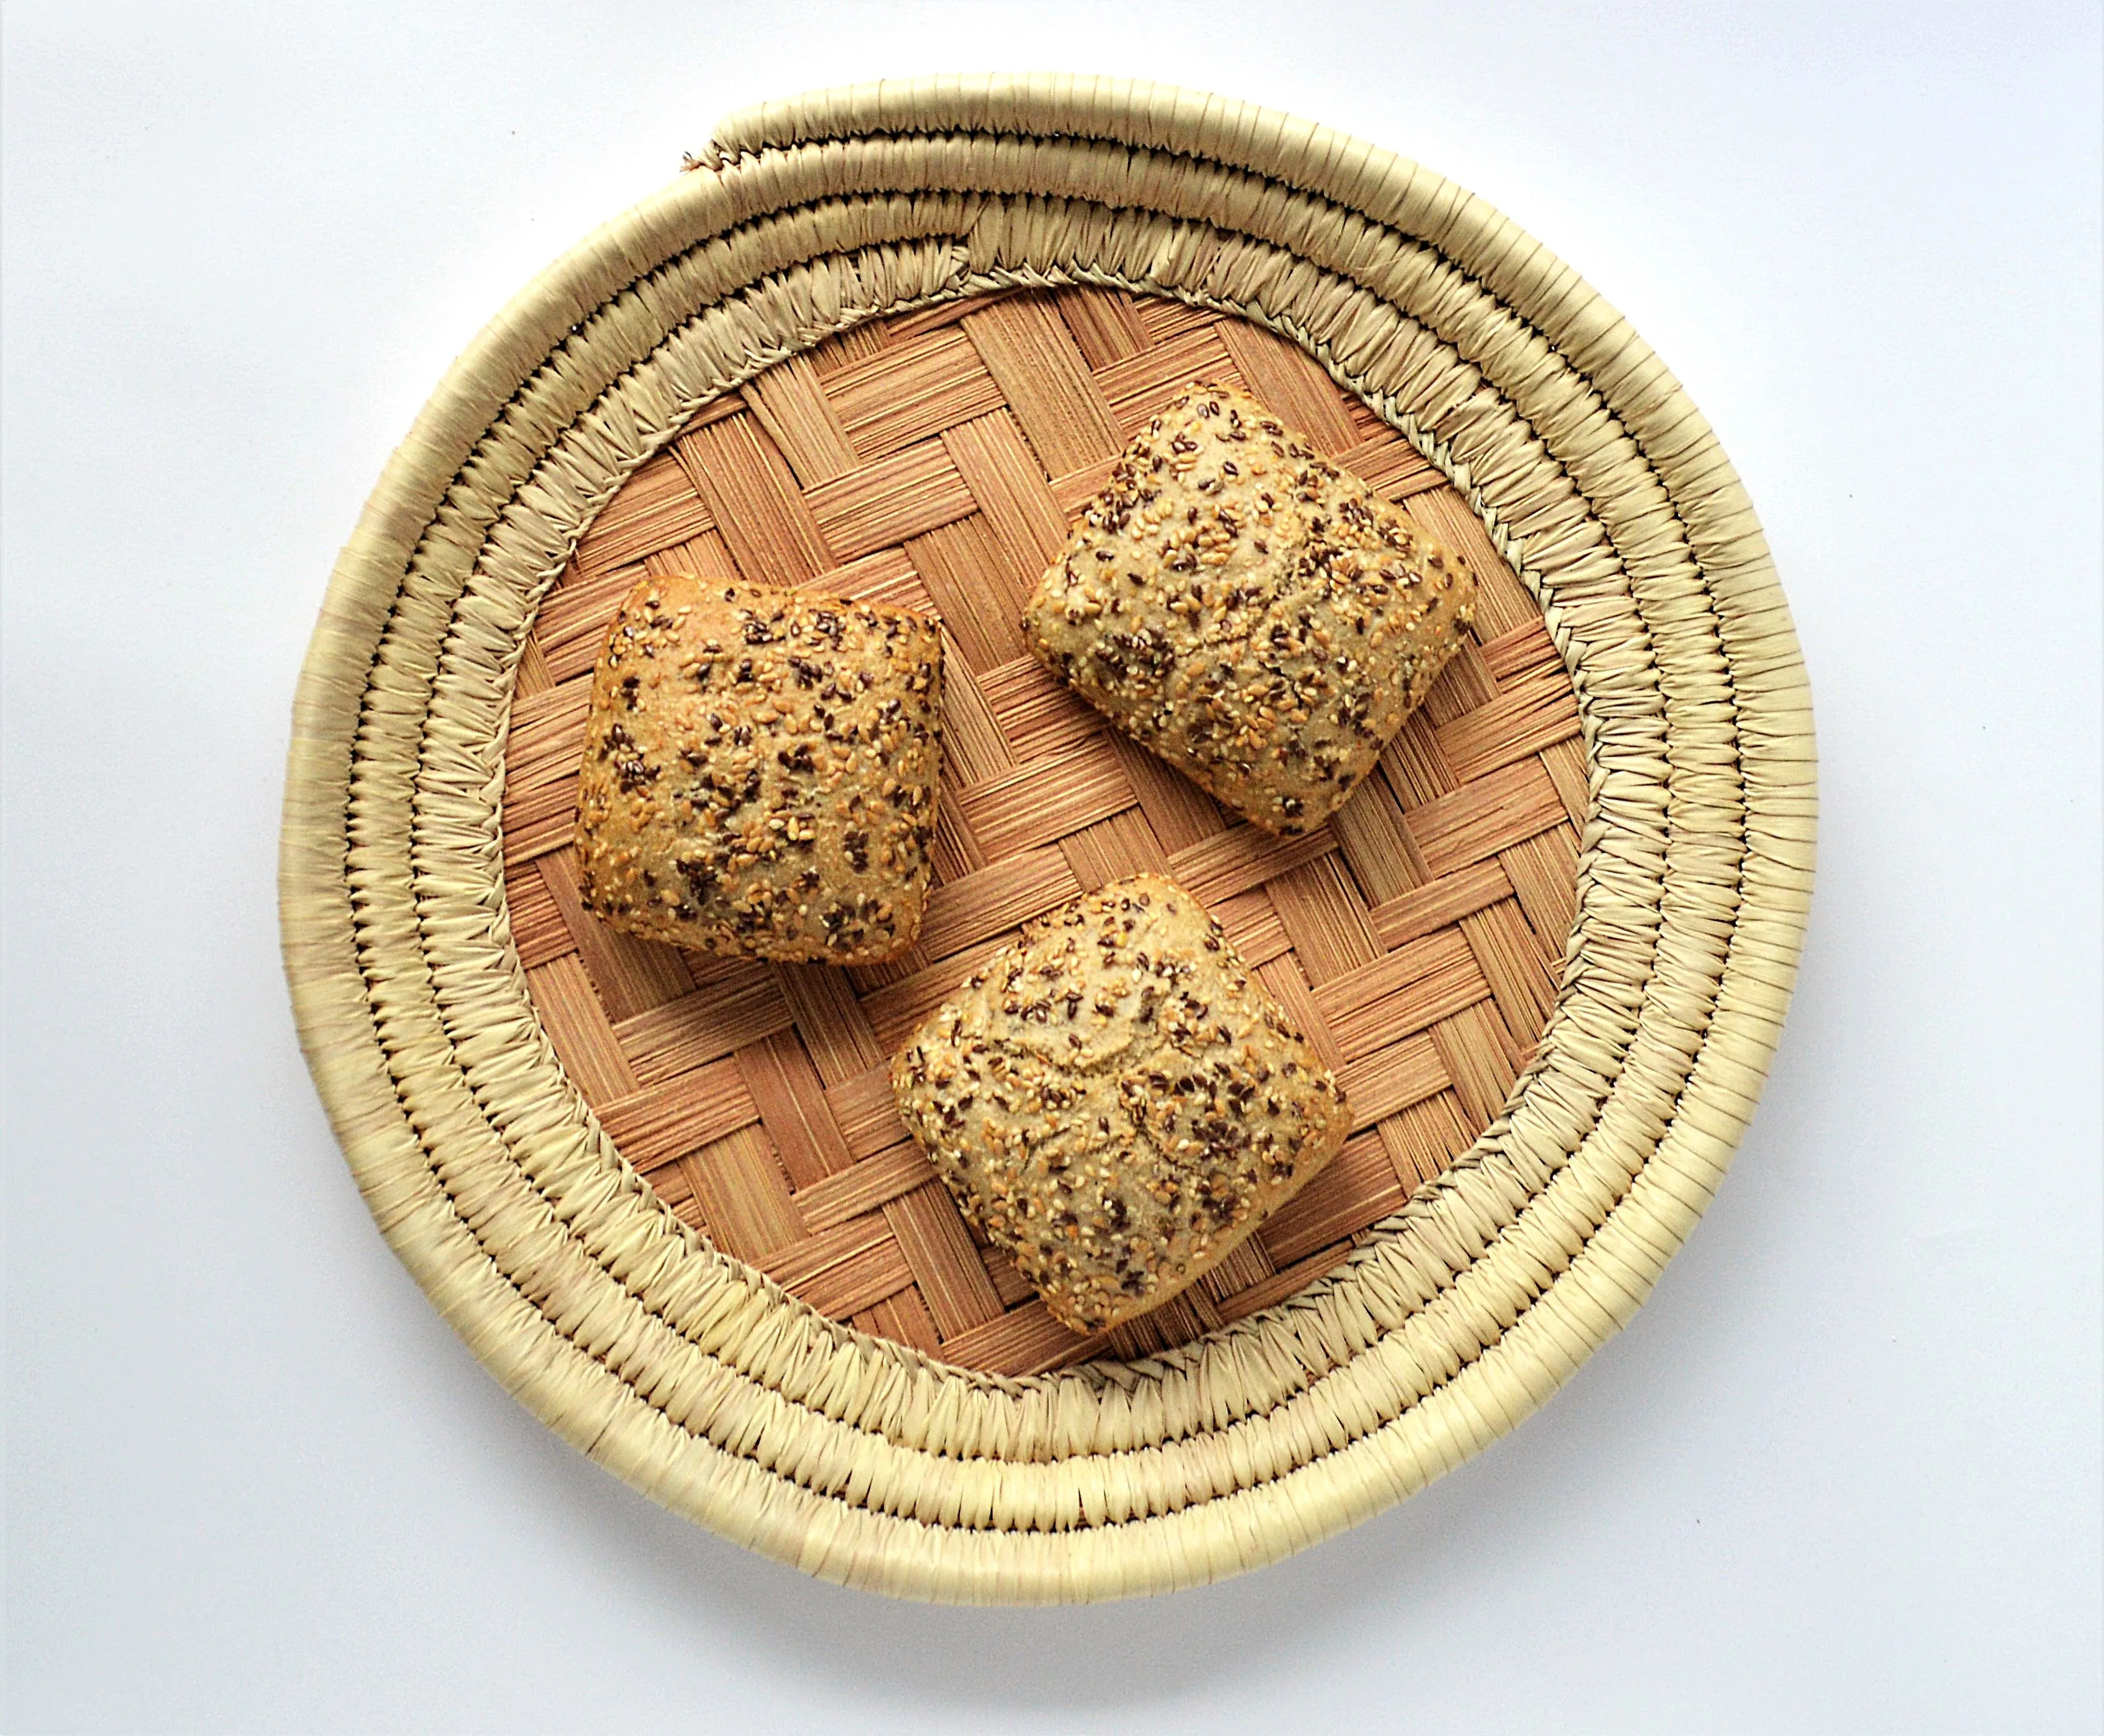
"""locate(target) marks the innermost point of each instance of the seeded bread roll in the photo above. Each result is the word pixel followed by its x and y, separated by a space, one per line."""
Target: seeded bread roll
pixel 760 772
pixel 1116 1102
pixel 1256 616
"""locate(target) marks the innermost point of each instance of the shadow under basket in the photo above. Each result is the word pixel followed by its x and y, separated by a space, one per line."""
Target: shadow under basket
pixel 885 342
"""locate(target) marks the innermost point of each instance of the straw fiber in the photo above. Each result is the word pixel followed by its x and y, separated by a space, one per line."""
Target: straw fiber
pixel 885 341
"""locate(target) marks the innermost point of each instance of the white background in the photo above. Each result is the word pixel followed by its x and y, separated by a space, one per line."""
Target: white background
pixel 1842 1474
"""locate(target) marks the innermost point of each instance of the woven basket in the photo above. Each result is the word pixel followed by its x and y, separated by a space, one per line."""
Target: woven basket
pixel 883 340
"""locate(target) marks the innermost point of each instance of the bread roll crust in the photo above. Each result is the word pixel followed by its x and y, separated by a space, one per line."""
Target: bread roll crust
pixel 1255 616
pixel 1116 1102
pixel 760 772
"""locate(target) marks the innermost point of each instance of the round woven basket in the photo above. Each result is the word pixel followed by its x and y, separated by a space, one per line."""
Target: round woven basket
pixel 550 1132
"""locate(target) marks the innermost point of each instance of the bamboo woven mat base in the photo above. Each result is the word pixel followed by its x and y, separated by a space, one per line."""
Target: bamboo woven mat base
pixel 935 458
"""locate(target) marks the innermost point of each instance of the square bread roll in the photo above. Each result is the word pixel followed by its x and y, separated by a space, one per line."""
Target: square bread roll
pixel 1255 616
pixel 1116 1102
pixel 760 772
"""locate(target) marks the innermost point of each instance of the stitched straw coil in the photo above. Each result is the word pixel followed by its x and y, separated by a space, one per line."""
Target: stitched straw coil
pixel 638 1185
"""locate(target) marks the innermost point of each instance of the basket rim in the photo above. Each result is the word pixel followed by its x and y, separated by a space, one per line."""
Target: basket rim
pixel 765 165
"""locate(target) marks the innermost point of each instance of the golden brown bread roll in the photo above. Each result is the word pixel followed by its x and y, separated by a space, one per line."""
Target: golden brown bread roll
pixel 1253 614
pixel 760 772
pixel 1116 1102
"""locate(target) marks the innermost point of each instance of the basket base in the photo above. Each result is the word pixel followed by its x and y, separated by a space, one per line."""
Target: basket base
pixel 933 458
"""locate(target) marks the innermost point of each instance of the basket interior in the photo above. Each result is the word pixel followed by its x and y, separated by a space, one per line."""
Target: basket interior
pixel 934 459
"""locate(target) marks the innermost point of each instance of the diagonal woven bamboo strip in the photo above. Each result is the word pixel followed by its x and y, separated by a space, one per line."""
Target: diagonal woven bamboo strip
pixel 1572 452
